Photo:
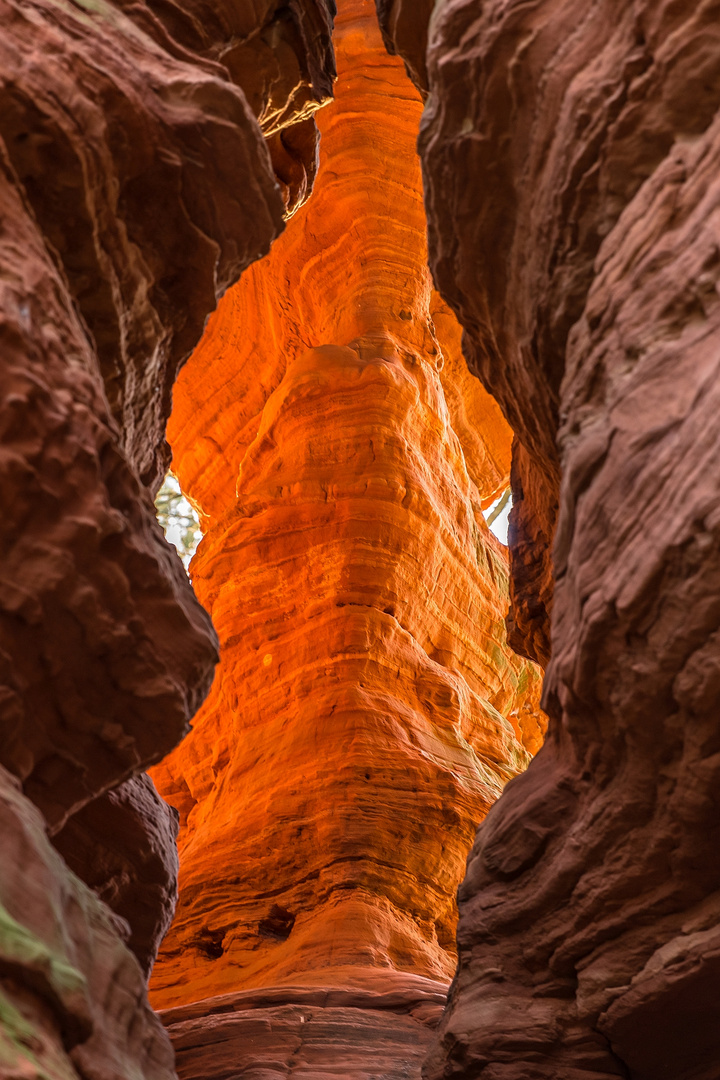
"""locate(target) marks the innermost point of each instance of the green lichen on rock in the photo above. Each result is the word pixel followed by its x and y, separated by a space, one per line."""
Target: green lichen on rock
pixel 18 945
pixel 17 1038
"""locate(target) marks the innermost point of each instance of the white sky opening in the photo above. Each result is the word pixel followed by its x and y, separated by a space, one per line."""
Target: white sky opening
pixel 498 514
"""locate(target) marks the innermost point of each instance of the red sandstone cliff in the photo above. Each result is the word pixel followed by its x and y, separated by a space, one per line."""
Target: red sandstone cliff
pixel 135 186
pixel 570 156
pixel 367 710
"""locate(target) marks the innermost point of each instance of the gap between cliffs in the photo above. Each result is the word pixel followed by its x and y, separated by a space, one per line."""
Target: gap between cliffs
pixel 367 710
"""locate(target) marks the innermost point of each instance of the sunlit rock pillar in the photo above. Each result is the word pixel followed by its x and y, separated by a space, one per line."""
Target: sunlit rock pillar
pixel 368 710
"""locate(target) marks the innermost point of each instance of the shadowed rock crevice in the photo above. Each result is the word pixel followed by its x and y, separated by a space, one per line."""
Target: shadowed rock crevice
pixel 124 846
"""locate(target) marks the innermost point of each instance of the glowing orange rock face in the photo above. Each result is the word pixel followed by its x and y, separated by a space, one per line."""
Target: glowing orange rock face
pixel 367 710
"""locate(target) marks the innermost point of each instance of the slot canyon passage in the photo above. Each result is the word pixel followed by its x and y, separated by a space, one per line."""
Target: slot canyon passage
pixel 367 709
pixel 348 347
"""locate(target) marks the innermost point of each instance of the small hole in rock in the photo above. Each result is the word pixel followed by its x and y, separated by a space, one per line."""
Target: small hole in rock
pixel 210 943
pixel 278 924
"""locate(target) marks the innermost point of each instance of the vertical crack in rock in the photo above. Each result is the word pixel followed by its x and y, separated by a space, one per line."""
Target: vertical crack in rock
pixel 367 710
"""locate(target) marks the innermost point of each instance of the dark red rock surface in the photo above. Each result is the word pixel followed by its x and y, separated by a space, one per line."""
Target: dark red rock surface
pixel 384 1030
pixel 129 156
pixel 136 185
pixel 571 155
pixel 123 845
pixel 107 279
pixel 72 998
pixel 404 27
pixel 278 51
pixel 122 163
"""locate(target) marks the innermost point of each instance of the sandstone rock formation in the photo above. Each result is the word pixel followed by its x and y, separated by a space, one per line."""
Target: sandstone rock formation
pixel 106 652
pixel 278 51
pixel 307 1033
pixel 404 27
pixel 124 846
pixel 72 997
pixel 570 155
pixel 367 709
pixel 135 186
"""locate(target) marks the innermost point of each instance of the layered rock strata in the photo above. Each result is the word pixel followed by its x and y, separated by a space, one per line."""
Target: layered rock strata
pixel 135 186
pixel 368 709
pixel 306 1033
pixel 571 155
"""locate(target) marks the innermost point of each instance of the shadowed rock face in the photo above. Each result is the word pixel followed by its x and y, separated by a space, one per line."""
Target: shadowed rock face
pixel 72 997
pixel 124 846
pixel 278 51
pixel 404 28
pixel 135 187
pixel 117 240
pixel 367 710
pixel 570 156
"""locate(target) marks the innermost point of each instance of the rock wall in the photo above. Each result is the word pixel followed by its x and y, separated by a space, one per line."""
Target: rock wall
pixel 309 1031
pixel 367 710
pixel 72 996
pixel 124 846
pixel 570 155
pixel 124 145
pixel 404 29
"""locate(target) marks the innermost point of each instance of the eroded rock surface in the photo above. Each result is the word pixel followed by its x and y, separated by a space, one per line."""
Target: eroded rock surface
pixel 106 653
pixel 571 159
pixel 135 186
pixel 306 1033
pixel 280 54
pixel 72 997
pixel 123 845
pixel 404 27
pixel 368 709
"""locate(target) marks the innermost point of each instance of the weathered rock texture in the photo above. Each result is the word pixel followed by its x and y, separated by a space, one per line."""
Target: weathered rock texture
pixel 404 27
pixel 135 186
pixel 123 845
pixel 571 154
pixel 309 1032
pixel 72 997
pixel 278 51
pixel 367 710
pixel 106 653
